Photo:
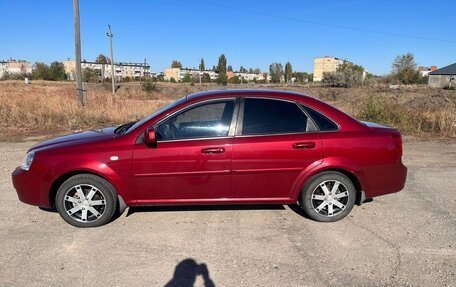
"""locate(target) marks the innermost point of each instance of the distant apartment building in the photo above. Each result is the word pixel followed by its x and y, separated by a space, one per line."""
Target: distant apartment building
pixel 15 67
pixel 178 74
pixel 325 65
pixel 121 69
pixel 251 77
pixel 424 71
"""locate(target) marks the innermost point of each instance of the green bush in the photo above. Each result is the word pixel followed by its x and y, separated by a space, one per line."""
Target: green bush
pixel 409 121
pixel 149 86
pixel 379 110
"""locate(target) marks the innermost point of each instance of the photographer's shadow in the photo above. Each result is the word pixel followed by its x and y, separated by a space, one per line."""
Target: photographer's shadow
pixel 186 272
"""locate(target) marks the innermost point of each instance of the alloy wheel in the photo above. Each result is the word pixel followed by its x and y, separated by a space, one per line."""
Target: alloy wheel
pixel 330 198
pixel 84 203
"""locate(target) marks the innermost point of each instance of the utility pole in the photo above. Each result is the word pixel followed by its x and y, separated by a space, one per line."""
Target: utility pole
pixel 143 71
pixel 113 76
pixel 77 46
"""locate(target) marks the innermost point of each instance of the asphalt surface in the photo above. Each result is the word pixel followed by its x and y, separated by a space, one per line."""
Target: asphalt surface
pixel 403 239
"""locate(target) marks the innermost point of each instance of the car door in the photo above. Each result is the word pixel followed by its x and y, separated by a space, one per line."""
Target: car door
pixel 192 158
pixel 275 141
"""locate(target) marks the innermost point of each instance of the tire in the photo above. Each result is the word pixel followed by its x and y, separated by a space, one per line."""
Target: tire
pixel 323 201
pixel 98 206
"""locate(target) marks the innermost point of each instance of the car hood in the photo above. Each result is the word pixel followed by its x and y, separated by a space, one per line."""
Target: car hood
pixel 78 137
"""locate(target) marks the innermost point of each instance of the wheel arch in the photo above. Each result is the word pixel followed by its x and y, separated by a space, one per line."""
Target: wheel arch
pixel 64 177
pixel 350 174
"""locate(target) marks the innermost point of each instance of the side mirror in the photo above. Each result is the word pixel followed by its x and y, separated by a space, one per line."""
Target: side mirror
pixel 150 137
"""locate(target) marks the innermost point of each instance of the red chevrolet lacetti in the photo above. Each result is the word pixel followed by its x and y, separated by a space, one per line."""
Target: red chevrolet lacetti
pixel 217 147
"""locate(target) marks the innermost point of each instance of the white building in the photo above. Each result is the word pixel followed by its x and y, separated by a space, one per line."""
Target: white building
pixel 121 70
pixel 251 76
pixel 15 67
pixel 178 74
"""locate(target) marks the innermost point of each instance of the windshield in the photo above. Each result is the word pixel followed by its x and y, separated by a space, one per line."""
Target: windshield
pixel 157 112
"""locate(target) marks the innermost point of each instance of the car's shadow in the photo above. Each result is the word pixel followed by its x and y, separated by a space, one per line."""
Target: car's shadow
pixel 136 209
pixel 131 210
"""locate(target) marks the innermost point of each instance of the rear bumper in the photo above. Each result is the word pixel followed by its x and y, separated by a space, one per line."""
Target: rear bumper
pixel 28 186
pixel 387 179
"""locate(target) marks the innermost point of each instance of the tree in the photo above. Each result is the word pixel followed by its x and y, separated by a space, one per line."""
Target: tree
pixel 243 70
pixel 347 75
pixel 288 72
pixel 230 68
pixel 276 72
pixel 102 59
pixel 234 80
pixel 176 64
pixel 404 70
pixel 206 78
pixel 187 78
pixel 160 78
pixel 41 71
pixel 302 77
pixel 89 75
pixel 202 67
pixel 221 69
pixel 257 71
pixel 57 71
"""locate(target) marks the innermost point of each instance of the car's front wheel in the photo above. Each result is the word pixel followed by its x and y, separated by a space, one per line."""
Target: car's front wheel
pixel 328 196
pixel 86 200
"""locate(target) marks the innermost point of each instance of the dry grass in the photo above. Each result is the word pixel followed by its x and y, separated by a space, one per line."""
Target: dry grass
pixel 53 107
pixel 50 107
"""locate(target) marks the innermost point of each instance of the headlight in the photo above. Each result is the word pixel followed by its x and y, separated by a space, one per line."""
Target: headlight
pixel 28 159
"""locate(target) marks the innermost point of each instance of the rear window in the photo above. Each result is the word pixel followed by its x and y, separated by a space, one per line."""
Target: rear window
pixel 323 123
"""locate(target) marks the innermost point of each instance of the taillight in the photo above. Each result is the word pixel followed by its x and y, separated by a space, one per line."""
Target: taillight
pixel 397 138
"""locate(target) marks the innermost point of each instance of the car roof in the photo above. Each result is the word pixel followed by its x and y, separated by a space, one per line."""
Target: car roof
pixel 344 121
pixel 245 92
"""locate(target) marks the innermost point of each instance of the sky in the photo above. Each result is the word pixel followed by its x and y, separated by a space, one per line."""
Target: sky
pixel 250 33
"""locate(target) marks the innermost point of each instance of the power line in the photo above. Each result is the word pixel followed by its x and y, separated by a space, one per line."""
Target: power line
pixel 331 25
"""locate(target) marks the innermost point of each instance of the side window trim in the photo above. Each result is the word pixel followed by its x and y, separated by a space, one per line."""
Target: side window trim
pixel 303 107
pixel 240 121
pixel 235 117
pixel 240 118
pixel 194 105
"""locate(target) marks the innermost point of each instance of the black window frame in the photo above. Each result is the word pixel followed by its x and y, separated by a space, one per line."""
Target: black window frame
pixel 240 119
pixel 305 107
pixel 231 129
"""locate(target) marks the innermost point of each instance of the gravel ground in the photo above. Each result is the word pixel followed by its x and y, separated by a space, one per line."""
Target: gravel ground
pixel 403 239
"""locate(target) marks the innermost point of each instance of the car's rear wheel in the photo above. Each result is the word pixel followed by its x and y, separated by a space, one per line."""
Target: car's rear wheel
pixel 328 196
pixel 86 200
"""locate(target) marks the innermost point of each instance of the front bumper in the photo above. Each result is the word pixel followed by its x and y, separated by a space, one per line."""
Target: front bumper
pixel 28 186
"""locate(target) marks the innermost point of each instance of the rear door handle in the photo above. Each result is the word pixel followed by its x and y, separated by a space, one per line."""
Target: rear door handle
pixel 213 150
pixel 304 145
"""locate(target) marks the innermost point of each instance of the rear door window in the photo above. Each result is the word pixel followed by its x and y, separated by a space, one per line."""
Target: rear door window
pixel 268 116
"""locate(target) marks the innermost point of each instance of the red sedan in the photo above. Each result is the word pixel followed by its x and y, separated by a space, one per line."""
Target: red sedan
pixel 217 147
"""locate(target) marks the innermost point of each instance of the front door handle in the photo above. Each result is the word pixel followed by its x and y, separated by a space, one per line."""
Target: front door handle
pixel 213 150
pixel 304 145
